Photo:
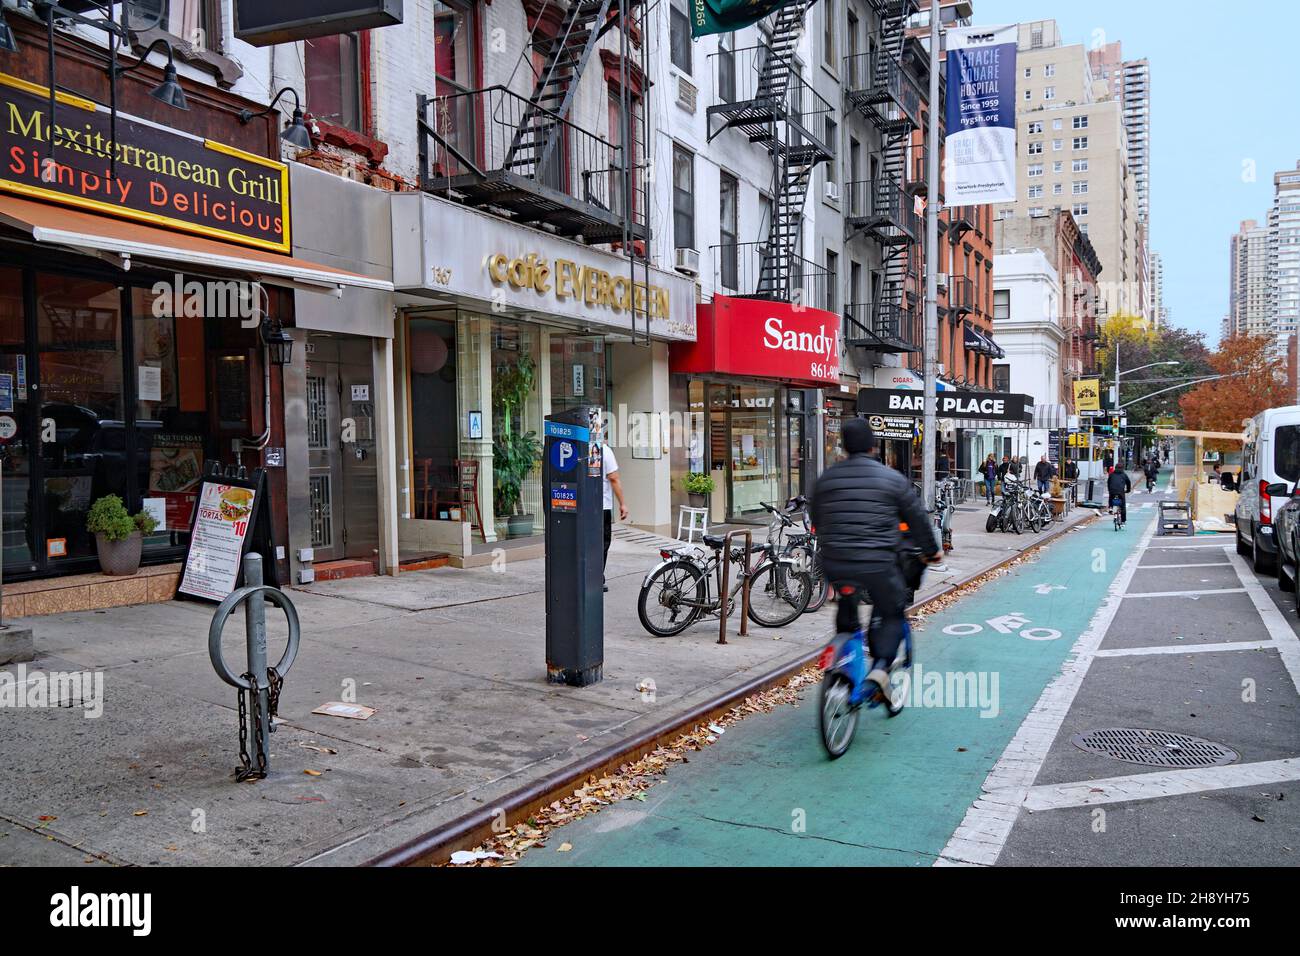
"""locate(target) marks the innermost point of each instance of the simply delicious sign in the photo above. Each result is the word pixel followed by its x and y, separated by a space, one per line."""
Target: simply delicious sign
pixel 979 406
pixel 162 177
pixel 981 145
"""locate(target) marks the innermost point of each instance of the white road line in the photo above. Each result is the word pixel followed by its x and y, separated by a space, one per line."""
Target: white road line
pixel 1207 564
pixel 1167 783
pixel 984 831
pixel 1187 648
pixel 1288 645
pixel 1175 594
pixel 1188 547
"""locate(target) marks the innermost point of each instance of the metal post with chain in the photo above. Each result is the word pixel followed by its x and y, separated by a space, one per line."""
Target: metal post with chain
pixel 258 694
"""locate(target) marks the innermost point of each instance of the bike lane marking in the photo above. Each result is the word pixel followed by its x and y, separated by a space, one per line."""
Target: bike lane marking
pixel 987 825
pixel 767 794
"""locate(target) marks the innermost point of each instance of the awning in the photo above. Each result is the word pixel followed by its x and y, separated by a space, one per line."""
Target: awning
pixel 977 340
pixel 1051 416
pixel 122 241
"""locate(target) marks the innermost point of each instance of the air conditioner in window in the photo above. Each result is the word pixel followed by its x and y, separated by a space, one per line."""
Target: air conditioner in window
pixel 833 191
pixel 688 261
pixel 942 278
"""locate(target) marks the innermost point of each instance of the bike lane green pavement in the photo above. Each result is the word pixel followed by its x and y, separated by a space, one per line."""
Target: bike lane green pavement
pixel 766 794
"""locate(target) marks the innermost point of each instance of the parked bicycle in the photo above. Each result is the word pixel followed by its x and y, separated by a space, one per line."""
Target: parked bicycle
pixel 946 493
pixel 687 585
pixel 796 539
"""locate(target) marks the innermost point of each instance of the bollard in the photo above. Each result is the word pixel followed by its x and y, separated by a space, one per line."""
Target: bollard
pixel 259 687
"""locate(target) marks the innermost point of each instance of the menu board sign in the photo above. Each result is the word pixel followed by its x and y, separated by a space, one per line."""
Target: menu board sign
pixel 221 523
pixel 175 469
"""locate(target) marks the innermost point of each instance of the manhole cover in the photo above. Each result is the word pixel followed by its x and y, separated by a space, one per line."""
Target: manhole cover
pixel 1155 748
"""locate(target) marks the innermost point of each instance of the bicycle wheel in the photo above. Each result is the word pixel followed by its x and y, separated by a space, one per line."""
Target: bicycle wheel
pixel 661 605
pixel 1013 521
pixel 778 594
pixel 837 718
pixel 804 560
pixel 991 524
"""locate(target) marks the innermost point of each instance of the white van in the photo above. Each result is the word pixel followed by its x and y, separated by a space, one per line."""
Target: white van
pixel 1270 456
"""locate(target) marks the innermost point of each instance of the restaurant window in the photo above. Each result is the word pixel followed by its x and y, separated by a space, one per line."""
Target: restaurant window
pixel 197 22
pixel 432 358
pixel 577 371
pixel 728 232
pixel 683 198
pixel 516 425
pixel 16 452
pixel 332 65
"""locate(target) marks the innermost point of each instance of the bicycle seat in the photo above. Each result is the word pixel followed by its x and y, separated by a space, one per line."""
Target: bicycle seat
pixel 715 541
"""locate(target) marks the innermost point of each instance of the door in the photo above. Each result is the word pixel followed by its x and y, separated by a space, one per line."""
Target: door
pixel 18 444
pixel 343 486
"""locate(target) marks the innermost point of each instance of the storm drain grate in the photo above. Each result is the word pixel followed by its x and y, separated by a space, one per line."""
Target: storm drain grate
pixel 1154 748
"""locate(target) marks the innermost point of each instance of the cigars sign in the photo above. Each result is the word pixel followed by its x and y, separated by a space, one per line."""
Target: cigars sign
pixel 760 339
pixel 160 176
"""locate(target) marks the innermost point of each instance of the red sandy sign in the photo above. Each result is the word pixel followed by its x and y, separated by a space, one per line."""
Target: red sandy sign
pixel 761 339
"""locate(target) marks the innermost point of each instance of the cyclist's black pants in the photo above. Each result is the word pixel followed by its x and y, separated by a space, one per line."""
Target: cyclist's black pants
pixel 884 586
pixel 1123 507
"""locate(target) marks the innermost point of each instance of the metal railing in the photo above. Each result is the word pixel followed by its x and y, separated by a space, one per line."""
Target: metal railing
pixel 882 322
pixel 756 85
pixel 882 202
pixel 495 130
pixel 878 81
pixel 961 294
pixel 758 270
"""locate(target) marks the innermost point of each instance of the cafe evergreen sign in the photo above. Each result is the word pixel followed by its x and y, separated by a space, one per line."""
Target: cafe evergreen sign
pixel 160 177
pixel 724 16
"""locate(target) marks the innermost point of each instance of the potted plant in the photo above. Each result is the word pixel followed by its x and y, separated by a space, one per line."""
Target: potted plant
pixel 515 452
pixel 119 536
pixel 698 486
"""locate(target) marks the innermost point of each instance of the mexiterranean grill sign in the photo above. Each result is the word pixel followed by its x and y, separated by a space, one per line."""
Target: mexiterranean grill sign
pixel 161 177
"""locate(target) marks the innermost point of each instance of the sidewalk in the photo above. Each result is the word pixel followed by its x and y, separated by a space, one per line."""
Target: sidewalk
pixel 451 660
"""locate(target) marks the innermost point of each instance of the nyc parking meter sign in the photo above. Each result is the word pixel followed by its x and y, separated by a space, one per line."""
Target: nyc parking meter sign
pixel 574 506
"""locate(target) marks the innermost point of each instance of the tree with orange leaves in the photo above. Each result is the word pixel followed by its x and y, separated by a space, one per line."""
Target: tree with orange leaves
pixel 1258 381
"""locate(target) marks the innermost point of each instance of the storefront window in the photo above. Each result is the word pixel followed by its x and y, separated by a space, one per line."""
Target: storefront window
pixel 432 359
pixel 16 443
pixel 79 335
pixel 744 442
pixel 516 429
pixel 170 415
pixel 577 371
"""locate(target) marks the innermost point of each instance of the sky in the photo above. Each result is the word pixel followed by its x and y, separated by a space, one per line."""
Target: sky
pixel 1225 99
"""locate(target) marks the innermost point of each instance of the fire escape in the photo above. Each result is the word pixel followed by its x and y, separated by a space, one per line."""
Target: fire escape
pixel 523 158
pixel 880 88
pixel 765 98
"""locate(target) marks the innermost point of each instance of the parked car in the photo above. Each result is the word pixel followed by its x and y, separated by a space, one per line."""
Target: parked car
pixel 1270 458
pixel 1286 534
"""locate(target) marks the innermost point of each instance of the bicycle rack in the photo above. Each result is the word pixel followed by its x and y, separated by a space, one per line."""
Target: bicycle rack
pixel 725 610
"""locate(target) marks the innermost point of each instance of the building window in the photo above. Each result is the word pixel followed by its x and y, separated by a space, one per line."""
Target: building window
pixel 728 231
pixel 1056 124
pixel 1036 148
pixel 1029 94
pixel 1080 166
pixel 332 67
pixel 679 39
pixel 1035 170
pixel 1035 192
pixel 1002 380
pixel 1080 209
pixel 1079 187
pixel 1057 189
pixel 1058 145
pixel 832 281
pixel 1049 69
pixel 727 67
pixel 1080 142
pixel 197 22
pixel 833 165
pixel 828 32
pixel 1035 128
pixel 1049 93
pixel 1081 122
pixel 1037 211
pixel 1001 303
pixel 1029 72
pixel 683 198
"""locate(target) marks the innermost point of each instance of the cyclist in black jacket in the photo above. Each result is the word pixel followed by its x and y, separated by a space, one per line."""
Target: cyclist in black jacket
pixel 857 507
pixel 1117 487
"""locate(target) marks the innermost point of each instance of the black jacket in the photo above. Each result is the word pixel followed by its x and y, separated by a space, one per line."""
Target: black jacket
pixel 1043 471
pixel 1118 483
pixel 856 508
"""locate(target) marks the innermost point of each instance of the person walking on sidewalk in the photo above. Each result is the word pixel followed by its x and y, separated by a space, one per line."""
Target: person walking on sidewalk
pixel 989 470
pixel 1043 474
pixel 613 491
pixel 1117 488
pixel 857 507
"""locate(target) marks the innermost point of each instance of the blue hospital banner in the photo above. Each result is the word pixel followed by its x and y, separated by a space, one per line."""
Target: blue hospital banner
pixel 980 151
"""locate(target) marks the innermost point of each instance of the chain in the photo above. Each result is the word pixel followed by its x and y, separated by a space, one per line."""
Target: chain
pixel 245 769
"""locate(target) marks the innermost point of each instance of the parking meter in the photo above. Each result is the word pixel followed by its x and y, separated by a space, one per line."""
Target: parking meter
pixel 573 503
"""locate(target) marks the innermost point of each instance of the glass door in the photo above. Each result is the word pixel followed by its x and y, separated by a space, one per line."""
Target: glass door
pixel 17 441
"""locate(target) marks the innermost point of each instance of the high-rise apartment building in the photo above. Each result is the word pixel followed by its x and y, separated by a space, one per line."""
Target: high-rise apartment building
pixel 1129 81
pixel 1284 251
pixel 1073 155
pixel 1159 311
pixel 1250 303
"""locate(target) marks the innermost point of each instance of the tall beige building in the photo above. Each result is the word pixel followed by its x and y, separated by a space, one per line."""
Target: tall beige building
pixel 1251 298
pixel 1072 147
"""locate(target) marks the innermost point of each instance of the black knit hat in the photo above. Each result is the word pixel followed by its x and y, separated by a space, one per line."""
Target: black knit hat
pixel 858 436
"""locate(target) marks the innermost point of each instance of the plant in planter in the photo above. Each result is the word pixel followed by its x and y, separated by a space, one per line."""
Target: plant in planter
pixel 515 453
pixel 119 536
pixel 699 486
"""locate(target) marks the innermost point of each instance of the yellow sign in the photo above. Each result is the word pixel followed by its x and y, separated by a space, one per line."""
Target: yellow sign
pixel 569 280
pixel 1087 395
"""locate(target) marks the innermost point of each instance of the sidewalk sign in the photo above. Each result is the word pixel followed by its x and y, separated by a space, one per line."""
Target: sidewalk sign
pixel 231 518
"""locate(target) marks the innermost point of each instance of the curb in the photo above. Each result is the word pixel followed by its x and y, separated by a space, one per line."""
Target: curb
pixel 471 829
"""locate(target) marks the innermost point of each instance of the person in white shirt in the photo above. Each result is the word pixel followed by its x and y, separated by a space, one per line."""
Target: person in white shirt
pixel 613 490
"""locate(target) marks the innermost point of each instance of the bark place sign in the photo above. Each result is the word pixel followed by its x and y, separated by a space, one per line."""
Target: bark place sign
pixel 968 406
